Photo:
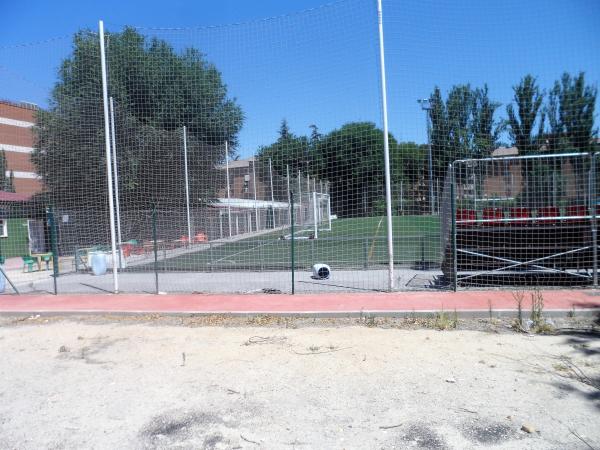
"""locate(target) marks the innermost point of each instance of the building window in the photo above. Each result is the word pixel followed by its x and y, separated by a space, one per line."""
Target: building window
pixel 3 228
pixel 246 183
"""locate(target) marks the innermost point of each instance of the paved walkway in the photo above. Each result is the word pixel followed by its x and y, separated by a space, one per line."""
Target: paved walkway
pixel 330 303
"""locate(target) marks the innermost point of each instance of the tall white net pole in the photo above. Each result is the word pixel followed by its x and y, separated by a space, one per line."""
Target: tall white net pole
pixel 228 192
pixel 315 213
pixel 116 172
pixel 272 195
pixel 329 212
pixel 111 205
pixel 386 151
pixel 255 195
pixel 187 186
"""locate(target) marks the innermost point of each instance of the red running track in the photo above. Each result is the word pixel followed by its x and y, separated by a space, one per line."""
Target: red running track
pixel 334 303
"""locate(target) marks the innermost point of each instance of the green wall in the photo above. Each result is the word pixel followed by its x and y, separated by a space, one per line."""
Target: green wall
pixel 17 241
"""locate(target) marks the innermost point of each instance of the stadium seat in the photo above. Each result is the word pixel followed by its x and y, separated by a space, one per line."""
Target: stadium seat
pixel 519 212
pixel 466 217
pixel 494 216
pixel 577 213
pixel 28 262
pixel 549 211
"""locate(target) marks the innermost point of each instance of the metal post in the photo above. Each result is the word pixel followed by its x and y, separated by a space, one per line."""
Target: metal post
pixel 221 224
pixel 116 174
pixel 316 227
pixel 187 186
pixel 272 195
pixel 2 261
pixel 453 212
pixel 300 198
pixel 426 106
pixel 254 188
pixel 386 151
pixel 292 242
pixel 53 247
pixel 430 157
pixel 329 212
pixel 111 205
pixel 155 248
pixel 228 194
pixel 593 201
pixel 290 205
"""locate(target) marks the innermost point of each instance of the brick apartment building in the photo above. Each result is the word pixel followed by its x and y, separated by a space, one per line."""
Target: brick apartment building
pixel 241 181
pixel 16 139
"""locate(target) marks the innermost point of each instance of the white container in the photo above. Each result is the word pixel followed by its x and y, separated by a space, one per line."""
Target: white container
pixel 321 272
pixel 98 262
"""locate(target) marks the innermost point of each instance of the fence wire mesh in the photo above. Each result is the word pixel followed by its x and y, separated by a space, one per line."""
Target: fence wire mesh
pixel 208 133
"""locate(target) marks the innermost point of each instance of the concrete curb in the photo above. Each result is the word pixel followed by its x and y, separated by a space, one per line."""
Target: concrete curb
pixel 400 314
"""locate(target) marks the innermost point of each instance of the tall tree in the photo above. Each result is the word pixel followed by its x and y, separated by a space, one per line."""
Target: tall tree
pixel 409 167
pixel 463 126
pixel 157 90
pixel 528 99
pixel 459 107
pixel 570 111
pixel 439 134
pixel 484 128
pixel 315 136
pixel 288 151
pixel 351 159
pixel 284 130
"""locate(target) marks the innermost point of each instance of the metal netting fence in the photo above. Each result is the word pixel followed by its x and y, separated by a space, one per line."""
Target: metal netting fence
pixel 196 159
pixel 521 221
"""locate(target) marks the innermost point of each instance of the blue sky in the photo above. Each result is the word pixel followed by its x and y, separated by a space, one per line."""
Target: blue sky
pixel 321 66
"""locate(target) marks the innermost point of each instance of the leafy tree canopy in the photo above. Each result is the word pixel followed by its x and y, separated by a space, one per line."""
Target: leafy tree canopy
pixel 156 91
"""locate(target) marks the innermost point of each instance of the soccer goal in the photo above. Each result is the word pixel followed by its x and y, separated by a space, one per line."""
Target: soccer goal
pixel 315 214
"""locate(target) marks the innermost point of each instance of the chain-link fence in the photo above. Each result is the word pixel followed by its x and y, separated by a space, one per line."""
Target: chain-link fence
pixel 525 221
pixel 224 159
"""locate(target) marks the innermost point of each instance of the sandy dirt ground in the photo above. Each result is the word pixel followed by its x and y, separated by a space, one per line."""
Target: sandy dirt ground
pixel 73 383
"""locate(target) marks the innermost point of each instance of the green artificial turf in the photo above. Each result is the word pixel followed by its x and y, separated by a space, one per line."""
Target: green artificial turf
pixel 351 243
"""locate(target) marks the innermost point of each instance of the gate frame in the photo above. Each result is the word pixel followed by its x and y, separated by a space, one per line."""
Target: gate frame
pixel 592 216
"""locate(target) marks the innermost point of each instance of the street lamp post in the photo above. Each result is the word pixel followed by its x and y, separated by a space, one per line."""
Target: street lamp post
pixel 426 106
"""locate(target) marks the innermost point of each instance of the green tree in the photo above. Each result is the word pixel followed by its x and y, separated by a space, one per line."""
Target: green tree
pixel 439 134
pixel 459 107
pixel 528 99
pixel 462 126
pixel 410 168
pixel 157 90
pixel 284 130
pixel 485 130
pixel 351 159
pixel 289 150
pixel 315 136
pixel 570 112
